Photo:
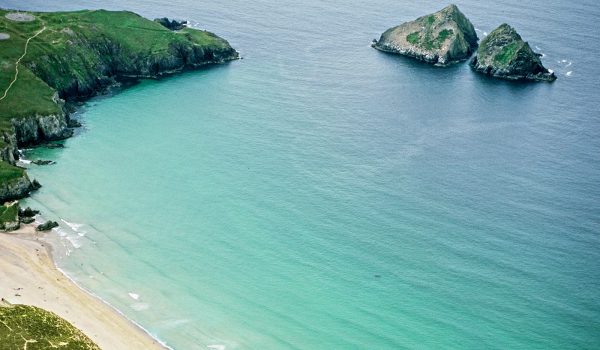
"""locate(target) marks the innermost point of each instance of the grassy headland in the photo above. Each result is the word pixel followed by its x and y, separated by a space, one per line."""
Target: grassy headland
pixel 68 56
pixel 29 327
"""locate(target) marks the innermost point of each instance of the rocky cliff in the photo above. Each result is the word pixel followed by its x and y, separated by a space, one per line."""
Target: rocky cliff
pixel 440 38
pixel 504 54
pixel 15 188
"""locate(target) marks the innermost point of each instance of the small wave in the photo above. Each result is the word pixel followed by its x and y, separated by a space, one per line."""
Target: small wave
pixel 484 33
pixel 75 227
pixel 569 64
pixel 74 242
pixel 569 73
pixel 170 324
pixel 140 306
pixel 61 232
pixel 216 347
pixel 134 296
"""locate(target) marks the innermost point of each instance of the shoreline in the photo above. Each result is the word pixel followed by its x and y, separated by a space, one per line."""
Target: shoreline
pixel 29 275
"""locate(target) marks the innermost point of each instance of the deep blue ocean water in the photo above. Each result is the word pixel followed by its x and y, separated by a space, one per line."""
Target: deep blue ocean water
pixel 319 194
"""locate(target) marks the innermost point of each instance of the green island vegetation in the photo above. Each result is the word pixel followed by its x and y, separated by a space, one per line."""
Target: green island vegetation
pixel 50 59
pixel 413 37
pixel 507 52
pixel 32 328
pixel 504 54
pixel 441 38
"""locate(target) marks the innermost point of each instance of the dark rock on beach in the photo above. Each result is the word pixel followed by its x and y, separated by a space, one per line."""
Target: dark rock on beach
pixel 47 226
pixel 28 212
pixel 441 38
pixel 26 220
pixel 54 145
pixel 504 54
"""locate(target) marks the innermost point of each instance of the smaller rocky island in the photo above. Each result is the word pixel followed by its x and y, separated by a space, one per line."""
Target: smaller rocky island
pixel 441 38
pixel 504 54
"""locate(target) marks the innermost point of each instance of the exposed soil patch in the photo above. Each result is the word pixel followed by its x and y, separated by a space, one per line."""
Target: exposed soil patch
pixel 20 17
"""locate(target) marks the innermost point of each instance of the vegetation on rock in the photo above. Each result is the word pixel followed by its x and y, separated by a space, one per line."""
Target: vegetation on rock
pixel 441 38
pixel 504 54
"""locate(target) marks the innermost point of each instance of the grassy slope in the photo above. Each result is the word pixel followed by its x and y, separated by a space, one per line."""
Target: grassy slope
pixel 68 50
pixel 9 173
pixel 64 51
pixel 9 213
pixel 29 327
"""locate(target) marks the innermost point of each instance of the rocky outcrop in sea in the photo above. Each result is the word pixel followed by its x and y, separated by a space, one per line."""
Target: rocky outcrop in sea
pixel 441 38
pixel 504 54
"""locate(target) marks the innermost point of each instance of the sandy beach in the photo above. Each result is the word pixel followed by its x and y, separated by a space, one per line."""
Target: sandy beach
pixel 28 276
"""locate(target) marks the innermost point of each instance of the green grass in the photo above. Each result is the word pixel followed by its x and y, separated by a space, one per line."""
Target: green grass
pixel 507 53
pixel 443 35
pixel 430 20
pixel 76 46
pixel 413 38
pixel 32 328
pixel 429 40
pixel 9 213
pixel 10 172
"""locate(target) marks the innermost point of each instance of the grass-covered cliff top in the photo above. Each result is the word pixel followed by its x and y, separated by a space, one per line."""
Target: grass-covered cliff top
pixel 73 49
pixel 31 328
pixel 9 172
pixel 47 58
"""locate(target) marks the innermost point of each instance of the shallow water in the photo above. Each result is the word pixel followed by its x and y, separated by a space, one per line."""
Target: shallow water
pixel 320 194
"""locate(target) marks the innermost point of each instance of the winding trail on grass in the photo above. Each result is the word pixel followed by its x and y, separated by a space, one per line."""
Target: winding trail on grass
pixel 19 61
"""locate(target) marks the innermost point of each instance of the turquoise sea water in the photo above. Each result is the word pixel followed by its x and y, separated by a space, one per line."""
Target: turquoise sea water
pixel 319 194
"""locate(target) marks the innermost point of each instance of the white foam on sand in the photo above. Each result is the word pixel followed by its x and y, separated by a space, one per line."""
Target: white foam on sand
pixel 75 227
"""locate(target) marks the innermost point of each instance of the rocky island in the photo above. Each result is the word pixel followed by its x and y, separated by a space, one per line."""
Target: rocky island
pixel 504 54
pixel 441 38
pixel 48 60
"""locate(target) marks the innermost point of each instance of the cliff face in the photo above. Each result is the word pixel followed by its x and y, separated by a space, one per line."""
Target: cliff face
pixel 440 38
pixel 15 188
pixel 503 54
pixel 105 61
